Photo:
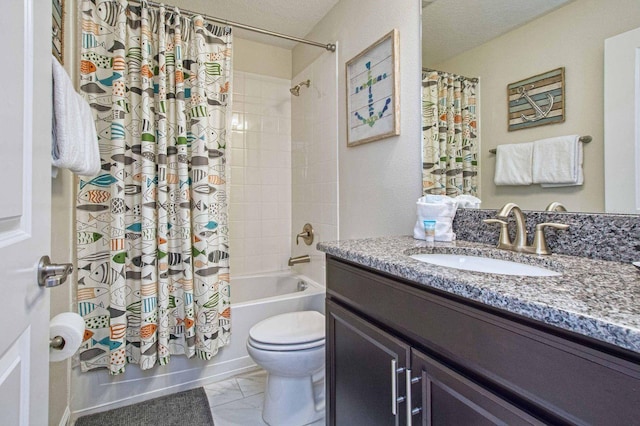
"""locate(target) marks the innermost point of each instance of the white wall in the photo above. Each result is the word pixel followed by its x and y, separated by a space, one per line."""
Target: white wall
pixel 314 146
pixel 260 191
pixel 571 37
pixel 259 58
pixel 379 181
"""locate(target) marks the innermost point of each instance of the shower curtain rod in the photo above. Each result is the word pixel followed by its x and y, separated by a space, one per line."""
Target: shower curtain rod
pixel 472 79
pixel 330 47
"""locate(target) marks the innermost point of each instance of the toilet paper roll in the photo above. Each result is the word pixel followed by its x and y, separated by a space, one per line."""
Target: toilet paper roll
pixel 69 326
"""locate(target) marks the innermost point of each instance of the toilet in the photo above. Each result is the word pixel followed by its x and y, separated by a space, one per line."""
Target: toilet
pixel 290 347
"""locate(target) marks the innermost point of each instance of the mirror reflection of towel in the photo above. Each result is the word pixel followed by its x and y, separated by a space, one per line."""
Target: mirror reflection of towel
pixel 558 161
pixel 513 164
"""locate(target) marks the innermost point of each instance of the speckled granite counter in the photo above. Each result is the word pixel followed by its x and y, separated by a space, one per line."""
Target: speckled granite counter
pixel 596 298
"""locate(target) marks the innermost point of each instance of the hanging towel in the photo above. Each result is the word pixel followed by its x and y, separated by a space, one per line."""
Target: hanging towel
pixel 74 144
pixel 513 164
pixel 440 208
pixel 558 161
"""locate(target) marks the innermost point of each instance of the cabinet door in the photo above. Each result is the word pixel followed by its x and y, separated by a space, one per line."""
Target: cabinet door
pixel 365 372
pixel 441 396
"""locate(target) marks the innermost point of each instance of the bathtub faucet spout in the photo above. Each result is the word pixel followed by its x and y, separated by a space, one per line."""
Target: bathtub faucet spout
pixel 299 259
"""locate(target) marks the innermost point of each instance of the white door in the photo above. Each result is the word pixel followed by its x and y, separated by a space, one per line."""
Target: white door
pixel 25 204
pixel 622 123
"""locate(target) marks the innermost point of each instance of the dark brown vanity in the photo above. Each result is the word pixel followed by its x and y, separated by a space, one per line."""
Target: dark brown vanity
pixel 403 352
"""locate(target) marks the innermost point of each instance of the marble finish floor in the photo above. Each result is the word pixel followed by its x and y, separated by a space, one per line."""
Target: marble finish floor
pixel 238 401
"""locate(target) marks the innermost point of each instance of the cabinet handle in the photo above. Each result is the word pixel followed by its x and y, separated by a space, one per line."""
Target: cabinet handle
pixel 411 411
pixel 394 387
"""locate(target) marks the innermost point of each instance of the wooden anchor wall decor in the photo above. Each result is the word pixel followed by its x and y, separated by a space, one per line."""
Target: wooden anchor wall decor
pixel 537 100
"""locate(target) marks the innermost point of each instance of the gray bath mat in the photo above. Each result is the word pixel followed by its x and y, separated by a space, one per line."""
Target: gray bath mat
pixel 184 408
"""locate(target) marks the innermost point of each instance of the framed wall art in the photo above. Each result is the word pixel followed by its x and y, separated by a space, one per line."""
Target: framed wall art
pixel 537 100
pixel 57 28
pixel 373 102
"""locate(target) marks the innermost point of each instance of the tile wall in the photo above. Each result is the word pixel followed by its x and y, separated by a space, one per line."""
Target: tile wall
pixel 314 161
pixel 260 186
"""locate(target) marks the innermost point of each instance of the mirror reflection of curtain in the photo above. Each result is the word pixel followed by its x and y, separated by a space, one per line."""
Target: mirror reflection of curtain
pixel 449 134
pixel 153 257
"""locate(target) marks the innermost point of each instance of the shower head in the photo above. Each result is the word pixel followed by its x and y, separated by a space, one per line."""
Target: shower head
pixel 295 90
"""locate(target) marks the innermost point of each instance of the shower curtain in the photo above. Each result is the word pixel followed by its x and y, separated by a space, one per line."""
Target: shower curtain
pixel 449 135
pixel 152 244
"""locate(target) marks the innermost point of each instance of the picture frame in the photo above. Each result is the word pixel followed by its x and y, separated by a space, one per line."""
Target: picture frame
pixel 373 97
pixel 536 101
pixel 57 30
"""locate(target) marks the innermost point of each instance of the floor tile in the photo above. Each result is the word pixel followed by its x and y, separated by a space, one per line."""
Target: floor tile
pixel 238 401
pixel 243 412
pixel 252 383
pixel 223 392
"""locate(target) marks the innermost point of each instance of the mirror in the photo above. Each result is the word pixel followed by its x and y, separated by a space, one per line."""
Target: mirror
pixel 505 41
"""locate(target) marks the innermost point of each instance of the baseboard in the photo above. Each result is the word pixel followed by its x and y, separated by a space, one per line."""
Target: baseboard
pixel 64 421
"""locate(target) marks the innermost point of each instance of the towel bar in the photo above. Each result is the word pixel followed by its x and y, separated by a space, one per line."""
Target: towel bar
pixel 583 139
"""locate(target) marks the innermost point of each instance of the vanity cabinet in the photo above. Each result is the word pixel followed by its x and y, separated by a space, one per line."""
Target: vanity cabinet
pixel 460 362
pixel 373 374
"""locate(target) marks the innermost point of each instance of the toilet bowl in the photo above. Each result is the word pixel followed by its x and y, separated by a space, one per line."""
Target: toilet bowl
pixel 290 347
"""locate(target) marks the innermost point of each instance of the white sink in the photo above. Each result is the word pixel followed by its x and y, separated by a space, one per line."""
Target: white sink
pixel 484 264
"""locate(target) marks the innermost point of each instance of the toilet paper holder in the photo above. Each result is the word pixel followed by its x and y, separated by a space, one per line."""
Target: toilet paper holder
pixel 52 274
pixel 57 343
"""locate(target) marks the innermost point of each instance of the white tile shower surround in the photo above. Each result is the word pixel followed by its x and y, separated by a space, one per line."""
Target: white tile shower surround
pixel 238 401
pixel 260 184
pixel 314 164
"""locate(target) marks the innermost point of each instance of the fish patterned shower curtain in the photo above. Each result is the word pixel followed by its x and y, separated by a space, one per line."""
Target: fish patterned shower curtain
pixel 152 233
pixel 449 135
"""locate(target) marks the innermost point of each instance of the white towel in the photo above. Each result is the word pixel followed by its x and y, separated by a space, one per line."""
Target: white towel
pixel 558 161
pixel 74 144
pixel 440 208
pixel 467 201
pixel 513 164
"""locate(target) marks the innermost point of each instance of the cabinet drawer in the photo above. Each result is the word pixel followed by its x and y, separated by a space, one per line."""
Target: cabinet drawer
pixel 555 378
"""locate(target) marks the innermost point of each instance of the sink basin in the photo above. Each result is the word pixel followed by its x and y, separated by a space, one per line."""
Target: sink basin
pixel 484 264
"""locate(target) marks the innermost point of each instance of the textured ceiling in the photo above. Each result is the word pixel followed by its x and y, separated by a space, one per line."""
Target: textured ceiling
pixel 450 27
pixel 289 17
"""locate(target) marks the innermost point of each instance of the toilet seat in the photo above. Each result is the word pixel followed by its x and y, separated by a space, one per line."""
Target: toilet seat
pixel 286 348
pixel 289 332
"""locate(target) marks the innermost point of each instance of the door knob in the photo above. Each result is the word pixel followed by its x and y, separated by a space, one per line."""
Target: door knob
pixel 52 274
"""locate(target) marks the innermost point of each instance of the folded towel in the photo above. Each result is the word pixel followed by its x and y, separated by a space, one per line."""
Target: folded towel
pixel 513 164
pixel 74 144
pixel 558 161
pixel 440 208
pixel 467 201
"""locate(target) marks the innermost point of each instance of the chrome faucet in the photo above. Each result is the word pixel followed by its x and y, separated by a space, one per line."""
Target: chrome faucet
pixel 299 259
pixel 539 245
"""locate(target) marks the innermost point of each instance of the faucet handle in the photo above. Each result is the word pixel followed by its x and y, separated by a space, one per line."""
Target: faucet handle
pixel 539 239
pixel 306 235
pixel 504 232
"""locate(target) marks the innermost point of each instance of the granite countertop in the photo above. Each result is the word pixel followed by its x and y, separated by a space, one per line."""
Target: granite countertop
pixel 596 298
